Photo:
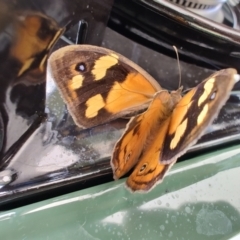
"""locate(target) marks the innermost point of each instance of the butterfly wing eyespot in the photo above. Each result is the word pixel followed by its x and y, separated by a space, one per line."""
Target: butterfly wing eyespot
pixel 196 110
pixel 127 157
pixel 143 167
pixel 99 85
pixel 80 67
pixel 213 95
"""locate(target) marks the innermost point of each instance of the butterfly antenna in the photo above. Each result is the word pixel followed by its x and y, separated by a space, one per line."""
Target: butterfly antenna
pixel 179 67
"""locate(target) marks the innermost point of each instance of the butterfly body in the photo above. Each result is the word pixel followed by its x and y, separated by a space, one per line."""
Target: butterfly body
pixel 99 85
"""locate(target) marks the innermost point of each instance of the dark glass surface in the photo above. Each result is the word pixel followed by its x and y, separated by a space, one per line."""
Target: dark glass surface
pixel 160 24
pixel 42 149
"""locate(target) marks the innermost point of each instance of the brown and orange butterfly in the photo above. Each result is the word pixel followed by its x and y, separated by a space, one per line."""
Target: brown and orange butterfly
pixel 99 85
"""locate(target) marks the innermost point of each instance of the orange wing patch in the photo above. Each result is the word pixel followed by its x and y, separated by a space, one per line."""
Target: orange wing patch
pixel 178 134
pixel 94 104
pixel 76 82
pixel 202 114
pixel 135 90
pixel 208 86
pixel 180 111
pixel 102 65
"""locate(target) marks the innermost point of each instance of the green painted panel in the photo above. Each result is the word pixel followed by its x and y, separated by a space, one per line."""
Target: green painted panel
pixel 199 199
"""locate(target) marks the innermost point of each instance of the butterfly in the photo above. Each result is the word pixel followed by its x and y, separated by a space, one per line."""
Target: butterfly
pixel 34 36
pixel 99 85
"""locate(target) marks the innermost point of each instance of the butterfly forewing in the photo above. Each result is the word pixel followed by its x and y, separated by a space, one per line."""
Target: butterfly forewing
pixel 195 112
pixel 149 171
pixel 99 85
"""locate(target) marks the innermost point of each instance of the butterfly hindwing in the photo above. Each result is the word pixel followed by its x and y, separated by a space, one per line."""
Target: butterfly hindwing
pixel 149 171
pixel 100 85
pixel 138 132
pixel 195 112
pixel 142 142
